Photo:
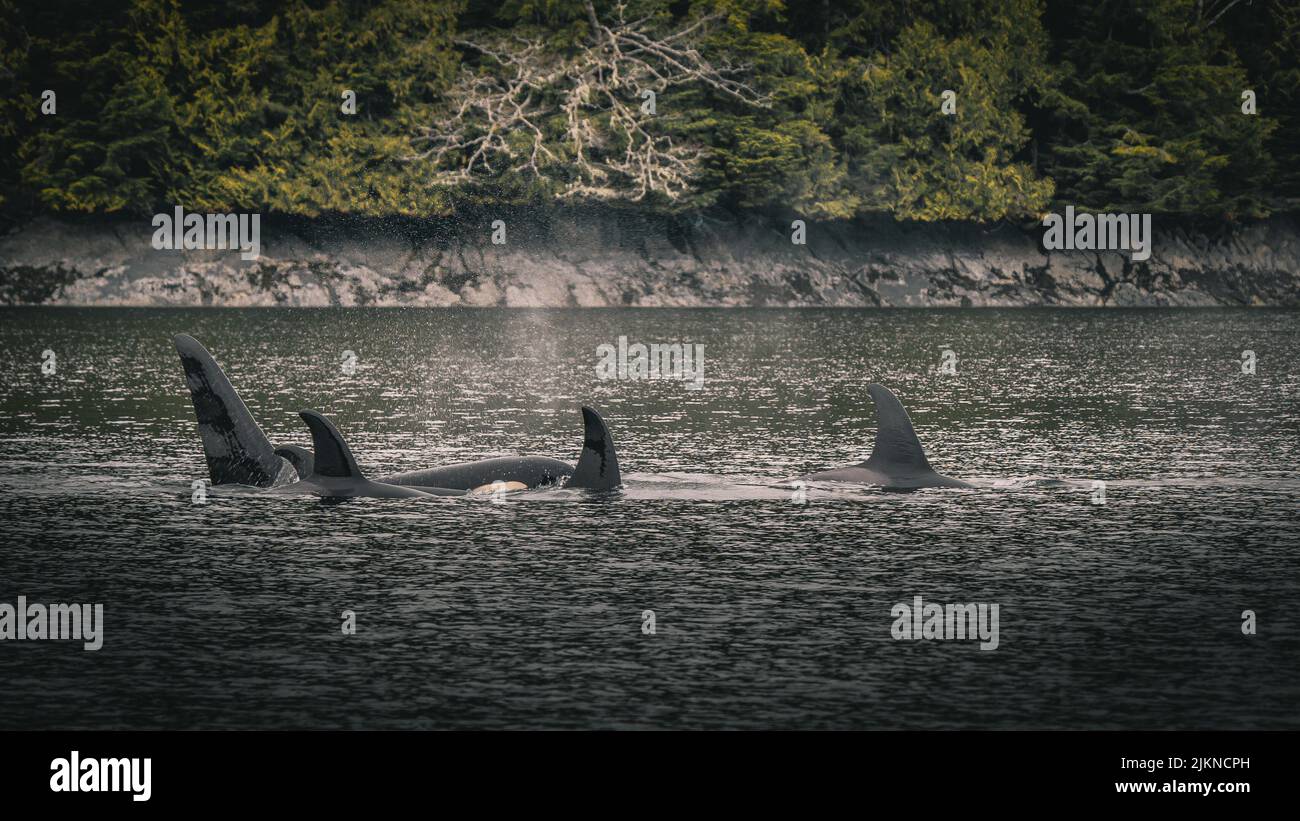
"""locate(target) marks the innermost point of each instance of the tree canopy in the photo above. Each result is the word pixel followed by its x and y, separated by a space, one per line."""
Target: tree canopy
pixel 975 110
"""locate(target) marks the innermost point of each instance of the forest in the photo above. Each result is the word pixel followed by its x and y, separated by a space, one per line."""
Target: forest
pixel 922 110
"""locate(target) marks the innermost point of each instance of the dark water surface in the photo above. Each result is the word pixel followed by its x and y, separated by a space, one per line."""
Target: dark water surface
pixel 528 612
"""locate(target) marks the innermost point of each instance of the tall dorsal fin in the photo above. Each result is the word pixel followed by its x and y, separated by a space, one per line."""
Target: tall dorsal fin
pixel 333 456
pixel 896 442
pixel 597 467
pixel 236 449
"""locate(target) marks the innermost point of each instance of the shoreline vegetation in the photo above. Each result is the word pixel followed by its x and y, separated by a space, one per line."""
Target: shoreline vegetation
pixel 650 152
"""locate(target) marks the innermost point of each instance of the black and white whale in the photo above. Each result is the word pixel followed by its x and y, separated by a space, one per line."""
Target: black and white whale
pixel 238 452
pixel 335 474
pixel 235 447
pixel 897 461
pixel 597 467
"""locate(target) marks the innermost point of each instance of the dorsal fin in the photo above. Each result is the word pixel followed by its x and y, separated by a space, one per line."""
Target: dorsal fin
pixel 597 467
pixel 236 449
pixel 302 459
pixel 896 442
pixel 332 454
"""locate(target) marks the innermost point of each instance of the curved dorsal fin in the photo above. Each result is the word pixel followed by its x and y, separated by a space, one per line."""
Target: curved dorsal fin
pixel 236 449
pixel 896 442
pixel 332 455
pixel 597 467
pixel 302 459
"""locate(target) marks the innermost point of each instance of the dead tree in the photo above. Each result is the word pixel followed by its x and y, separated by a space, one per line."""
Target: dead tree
pixel 576 120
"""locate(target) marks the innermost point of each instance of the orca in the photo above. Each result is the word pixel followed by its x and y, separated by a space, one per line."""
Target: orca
pixel 302 459
pixel 335 474
pixel 236 449
pixel 597 467
pixel 238 452
pixel 897 460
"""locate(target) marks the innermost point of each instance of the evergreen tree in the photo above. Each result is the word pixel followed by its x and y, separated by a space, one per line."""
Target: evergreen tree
pixel 1160 128
pixel 834 109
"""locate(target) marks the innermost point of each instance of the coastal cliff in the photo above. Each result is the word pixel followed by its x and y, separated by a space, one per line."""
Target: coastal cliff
pixel 608 257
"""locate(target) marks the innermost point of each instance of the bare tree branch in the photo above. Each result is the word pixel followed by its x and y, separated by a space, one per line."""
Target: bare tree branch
pixel 576 121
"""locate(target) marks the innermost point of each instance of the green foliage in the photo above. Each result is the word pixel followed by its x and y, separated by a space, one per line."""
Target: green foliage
pixel 158 106
pixel 918 162
pixel 1161 127
pixel 1267 41
pixel 235 105
pixel 780 154
pixel 17 106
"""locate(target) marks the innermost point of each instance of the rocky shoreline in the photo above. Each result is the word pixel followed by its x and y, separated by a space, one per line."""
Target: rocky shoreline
pixel 584 257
